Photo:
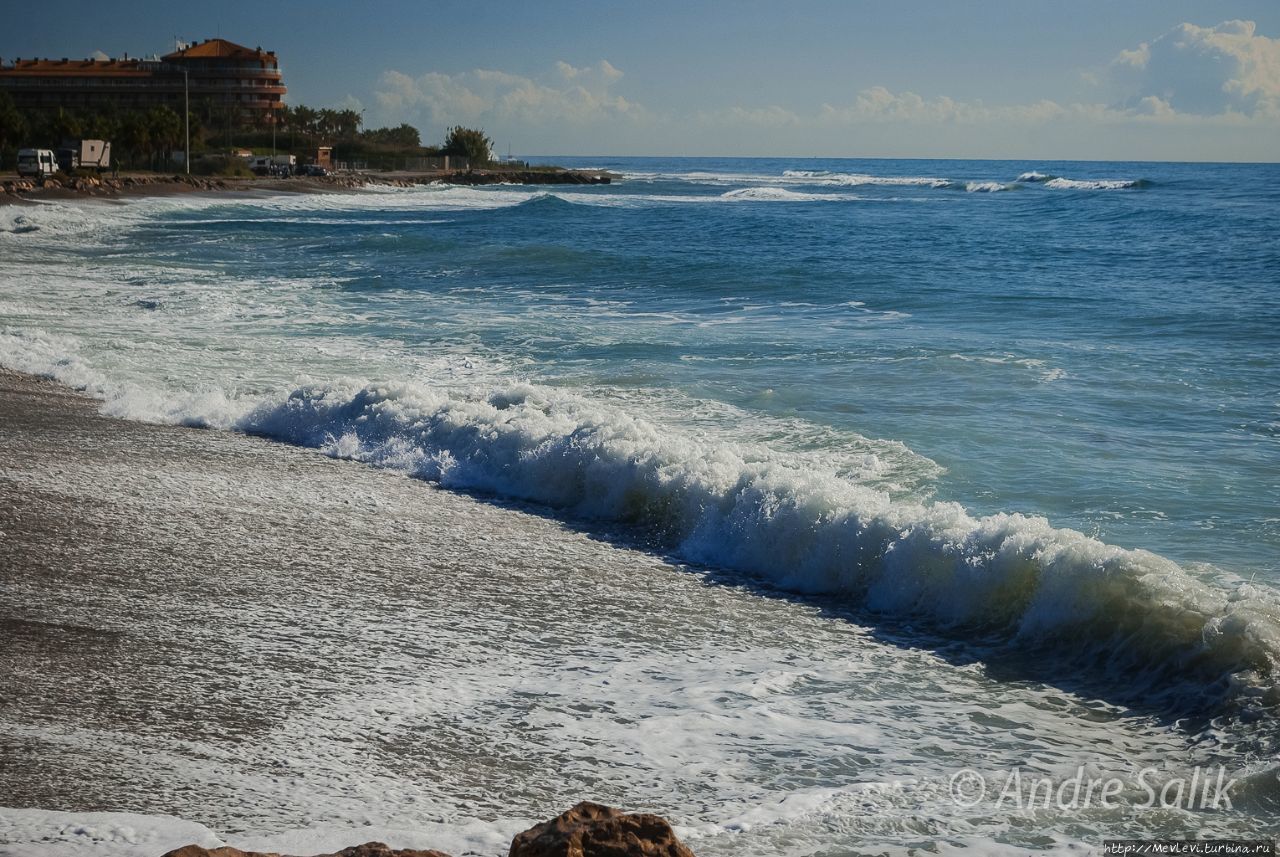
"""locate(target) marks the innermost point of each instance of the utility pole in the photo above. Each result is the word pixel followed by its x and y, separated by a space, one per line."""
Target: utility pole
pixel 186 114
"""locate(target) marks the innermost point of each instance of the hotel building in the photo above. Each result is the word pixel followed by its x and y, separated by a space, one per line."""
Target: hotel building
pixel 219 73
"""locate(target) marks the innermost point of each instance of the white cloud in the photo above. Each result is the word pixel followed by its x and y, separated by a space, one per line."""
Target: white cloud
pixel 1206 71
pixel 567 95
pixel 1189 93
pixel 1136 58
pixel 349 102
pixel 1155 106
pixel 878 104
pixel 598 77
pixel 772 116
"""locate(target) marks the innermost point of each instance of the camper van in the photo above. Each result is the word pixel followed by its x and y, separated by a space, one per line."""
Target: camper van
pixel 37 162
pixel 85 154
pixel 273 165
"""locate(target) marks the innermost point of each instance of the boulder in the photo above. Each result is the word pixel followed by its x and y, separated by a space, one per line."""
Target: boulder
pixel 369 849
pixel 593 830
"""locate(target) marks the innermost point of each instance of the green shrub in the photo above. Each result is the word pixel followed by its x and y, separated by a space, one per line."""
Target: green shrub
pixel 220 165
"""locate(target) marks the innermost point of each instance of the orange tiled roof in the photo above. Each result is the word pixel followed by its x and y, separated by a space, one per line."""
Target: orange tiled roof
pixel 73 67
pixel 218 48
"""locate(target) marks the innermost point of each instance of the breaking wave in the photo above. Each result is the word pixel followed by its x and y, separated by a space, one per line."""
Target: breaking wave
pixel 779 194
pixel 1032 177
pixel 856 179
pixel 795 523
pixel 1095 184
pixel 987 187
pixel 809 531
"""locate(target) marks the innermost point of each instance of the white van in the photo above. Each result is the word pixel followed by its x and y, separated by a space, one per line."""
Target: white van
pixel 37 162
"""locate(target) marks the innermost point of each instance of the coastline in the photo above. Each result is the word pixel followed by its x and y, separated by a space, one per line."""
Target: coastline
pixel 16 190
pixel 441 659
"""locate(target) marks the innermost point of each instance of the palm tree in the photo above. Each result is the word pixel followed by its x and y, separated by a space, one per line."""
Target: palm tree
pixel 102 126
pixel 348 122
pixel 165 130
pixel 304 119
pixel 62 126
pixel 135 136
pixel 12 123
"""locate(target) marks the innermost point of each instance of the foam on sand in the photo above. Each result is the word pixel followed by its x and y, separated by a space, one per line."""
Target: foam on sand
pixel 49 833
pixel 52 833
pixel 802 530
pixel 801 526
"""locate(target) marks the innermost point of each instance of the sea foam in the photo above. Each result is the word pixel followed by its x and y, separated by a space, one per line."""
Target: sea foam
pixel 745 508
pixel 856 179
pixel 1094 184
pixel 779 194
pixel 801 530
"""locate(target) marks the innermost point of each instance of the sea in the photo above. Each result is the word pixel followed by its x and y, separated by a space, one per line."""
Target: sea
pixel 937 493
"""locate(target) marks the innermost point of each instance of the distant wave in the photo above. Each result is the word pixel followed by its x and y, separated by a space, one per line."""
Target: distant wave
pixel 545 200
pixel 862 179
pixel 971 186
pixel 988 187
pixel 856 179
pixel 779 194
pixel 1095 184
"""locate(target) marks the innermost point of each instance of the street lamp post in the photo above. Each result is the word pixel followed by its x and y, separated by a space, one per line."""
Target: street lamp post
pixel 186 115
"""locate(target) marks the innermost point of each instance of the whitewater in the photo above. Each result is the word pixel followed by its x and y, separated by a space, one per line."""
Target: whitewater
pixel 949 465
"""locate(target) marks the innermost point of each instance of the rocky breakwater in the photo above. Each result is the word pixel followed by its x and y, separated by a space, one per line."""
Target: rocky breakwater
pixel 586 830
pixel 63 186
pixel 475 177
pixel 106 186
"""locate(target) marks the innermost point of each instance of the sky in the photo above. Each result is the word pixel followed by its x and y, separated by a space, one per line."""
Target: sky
pixel 1191 80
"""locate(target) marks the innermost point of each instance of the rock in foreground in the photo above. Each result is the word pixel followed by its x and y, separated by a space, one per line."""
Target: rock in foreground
pixel 593 830
pixel 587 830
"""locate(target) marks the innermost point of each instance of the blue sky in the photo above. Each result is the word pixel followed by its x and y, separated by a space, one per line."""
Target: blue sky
pixel 1168 80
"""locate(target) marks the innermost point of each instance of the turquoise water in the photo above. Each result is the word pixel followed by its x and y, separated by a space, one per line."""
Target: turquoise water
pixel 1104 357
pixel 1027 405
pixel 1107 358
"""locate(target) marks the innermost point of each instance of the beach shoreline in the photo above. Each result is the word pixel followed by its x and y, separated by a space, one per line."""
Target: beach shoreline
pixel 777 557
pixel 147 565
pixel 18 191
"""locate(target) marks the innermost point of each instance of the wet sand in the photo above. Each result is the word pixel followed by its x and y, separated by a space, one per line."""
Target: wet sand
pixel 176 600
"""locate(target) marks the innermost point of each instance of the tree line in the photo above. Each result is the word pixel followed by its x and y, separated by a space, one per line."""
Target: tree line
pixel 140 138
pixel 148 138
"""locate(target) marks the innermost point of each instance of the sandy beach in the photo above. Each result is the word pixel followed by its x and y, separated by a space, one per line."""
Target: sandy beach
pixel 179 600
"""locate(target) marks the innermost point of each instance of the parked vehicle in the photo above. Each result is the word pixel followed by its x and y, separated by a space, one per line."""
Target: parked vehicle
pixel 311 170
pixel 87 154
pixel 37 162
pixel 272 165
